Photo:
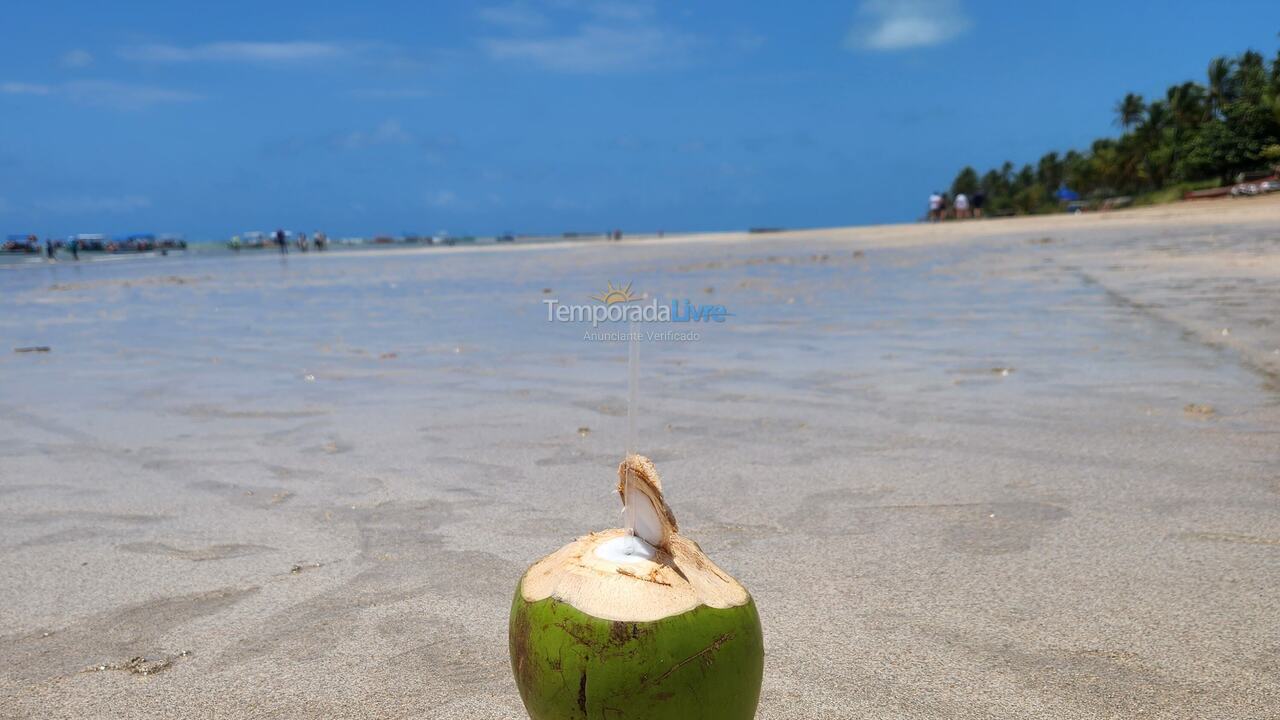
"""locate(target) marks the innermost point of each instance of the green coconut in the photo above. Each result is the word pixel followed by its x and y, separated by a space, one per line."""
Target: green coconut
pixel 635 624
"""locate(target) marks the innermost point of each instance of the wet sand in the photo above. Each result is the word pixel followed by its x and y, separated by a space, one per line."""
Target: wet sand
pixel 1011 469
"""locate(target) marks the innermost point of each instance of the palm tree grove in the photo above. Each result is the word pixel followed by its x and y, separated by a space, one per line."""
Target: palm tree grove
pixel 1197 136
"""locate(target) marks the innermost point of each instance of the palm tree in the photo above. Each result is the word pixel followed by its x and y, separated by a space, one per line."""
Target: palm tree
pixel 966 182
pixel 1187 104
pixel 1156 120
pixel 1049 171
pixel 1148 137
pixel 1275 74
pixel 1219 84
pixel 1107 165
pixel 1188 109
pixel 1130 110
pixel 1251 75
pixel 1251 61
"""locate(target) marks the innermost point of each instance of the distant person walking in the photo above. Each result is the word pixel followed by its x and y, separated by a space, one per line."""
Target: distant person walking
pixel 935 207
pixel 50 251
pixel 75 249
pixel 282 242
pixel 962 206
pixel 979 200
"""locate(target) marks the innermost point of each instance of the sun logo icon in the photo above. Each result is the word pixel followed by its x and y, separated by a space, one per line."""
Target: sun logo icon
pixel 613 295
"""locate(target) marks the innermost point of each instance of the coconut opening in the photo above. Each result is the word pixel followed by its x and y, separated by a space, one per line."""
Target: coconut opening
pixel 595 575
pixel 643 576
pixel 626 549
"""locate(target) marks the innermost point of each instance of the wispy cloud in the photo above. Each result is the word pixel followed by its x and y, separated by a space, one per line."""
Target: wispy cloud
pixel 887 25
pixel 124 96
pixel 517 16
pixel 103 93
pixel 625 10
pixel 284 52
pixel 605 37
pixel 389 93
pixel 21 88
pixel 76 59
pixel 595 49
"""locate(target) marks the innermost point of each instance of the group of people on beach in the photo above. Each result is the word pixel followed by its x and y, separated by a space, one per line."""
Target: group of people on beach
pixel 51 248
pixel 962 206
pixel 320 241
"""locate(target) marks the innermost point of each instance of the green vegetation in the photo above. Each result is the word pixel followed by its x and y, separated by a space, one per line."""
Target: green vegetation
pixel 1197 136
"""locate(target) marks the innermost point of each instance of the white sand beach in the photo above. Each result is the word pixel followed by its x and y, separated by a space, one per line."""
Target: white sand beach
pixel 1020 468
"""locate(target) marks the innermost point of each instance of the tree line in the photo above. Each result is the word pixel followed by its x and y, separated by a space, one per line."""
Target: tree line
pixel 1197 135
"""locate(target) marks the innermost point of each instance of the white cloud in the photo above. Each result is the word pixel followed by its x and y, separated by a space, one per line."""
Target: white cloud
pixel 596 49
pixel 608 36
pixel 887 25
pixel 628 10
pixel 103 93
pixel 19 88
pixel 513 16
pixel 235 51
pixel 76 59
pixel 389 93
pixel 123 96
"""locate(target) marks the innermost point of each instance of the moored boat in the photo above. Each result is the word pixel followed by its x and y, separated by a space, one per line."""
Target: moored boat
pixel 91 242
pixel 252 240
pixel 21 243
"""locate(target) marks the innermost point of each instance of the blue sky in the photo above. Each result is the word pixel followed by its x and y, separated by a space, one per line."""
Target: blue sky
pixel 552 115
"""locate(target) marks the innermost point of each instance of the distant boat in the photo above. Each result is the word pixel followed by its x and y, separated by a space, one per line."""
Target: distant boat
pixel 90 242
pixel 252 240
pixel 21 244
pixel 138 242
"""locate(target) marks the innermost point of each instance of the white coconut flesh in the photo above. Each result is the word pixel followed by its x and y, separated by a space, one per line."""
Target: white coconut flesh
pixel 626 549
pixel 644 576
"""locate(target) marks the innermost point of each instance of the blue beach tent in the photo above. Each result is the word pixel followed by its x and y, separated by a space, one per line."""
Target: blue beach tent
pixel 1066 194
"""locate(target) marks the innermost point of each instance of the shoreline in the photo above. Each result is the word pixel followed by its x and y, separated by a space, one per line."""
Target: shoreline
pixel 1199 213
